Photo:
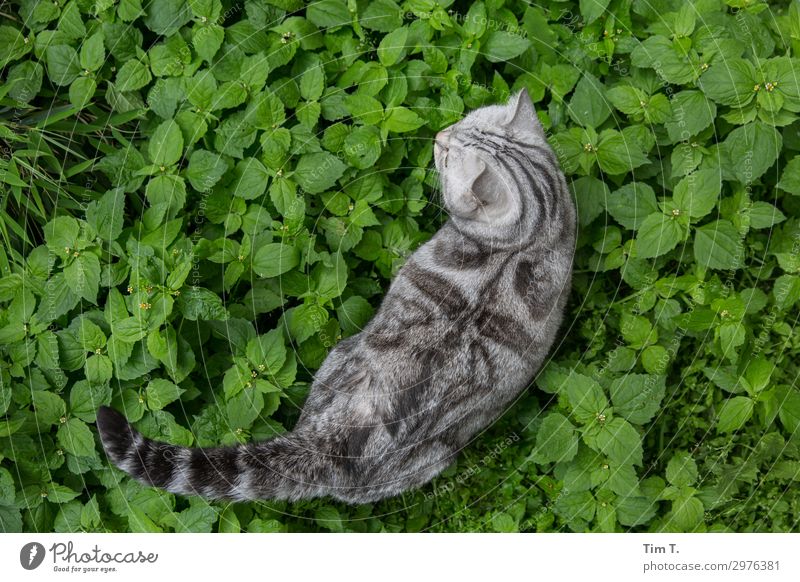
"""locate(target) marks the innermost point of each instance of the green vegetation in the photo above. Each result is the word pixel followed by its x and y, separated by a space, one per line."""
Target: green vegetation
pixel 199 198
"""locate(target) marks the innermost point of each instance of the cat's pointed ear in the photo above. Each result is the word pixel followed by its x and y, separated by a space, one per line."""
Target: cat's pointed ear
pixel 480 181
pixel 474 169
pixel 521 113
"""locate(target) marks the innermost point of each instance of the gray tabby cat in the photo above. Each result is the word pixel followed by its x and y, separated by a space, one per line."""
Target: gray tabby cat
pixel 461 332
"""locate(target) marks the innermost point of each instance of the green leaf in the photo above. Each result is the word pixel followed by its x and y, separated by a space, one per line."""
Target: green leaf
pixel 402 120
pixel 504 523
pixel 244 408
pixel 71 22
pixel 631 204
pixel 312 83
pixel 267 350
pixel 75 437
pixel 667 57
pixel 318 171
pixel 130 10
pixel 62 64
pixel 730 81
pixel 755 147
pixel 196 519
pixel 266 111
pixel 207 40
pixel 6 488
pixel 633 510
pixel 556 441
pixel 138 522
pixel 616 155
pixel 132 75
pixel 328 13
pixel 205 169
pixel 106 214
pixel 61 234
pixel 24 81
pixel 682 470
pixel 364 108
pixel 362 146
pixel 90 336
pixel 692 112
pixel 201 304
pixel 393 46
pixel 628 99
pixel 83 276
pixel 589 106
pixel 734 414
pixel 591 10
pixel 81 91
pixel 789 411
pixel 90 514
pixel 786 291
pixel 622 480
pixel 275 259
pixel 353 314
pixel 250 179
pixel 57 493
pixel 576 507
pixel 49 408
pixel 166 17
pixel 758 374
pixel 637 397
pixel 790 178
pixel 475 22
pixel 85 398
pixel 129 330
pixel 764 215
pixel 228 521
pixel 586 397
pixel 719 245
pixel 93 53
pixel 166 144
pixel 616 439
pixel 99 369
pixel 381 15
pixel 331 278
pixel 687 513
pixel 591 194
pixel 657 235
pixel 503 46
pixel 697 193
pixel 328 517
pixel 164 96
pixel 160 392
pixel 306 320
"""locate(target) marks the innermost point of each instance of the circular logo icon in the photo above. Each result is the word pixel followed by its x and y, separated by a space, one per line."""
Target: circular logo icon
pixel 31 555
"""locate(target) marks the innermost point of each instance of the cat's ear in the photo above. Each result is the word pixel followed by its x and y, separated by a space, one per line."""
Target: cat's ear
pixel 474 169
pixel 480 181
pixel 522 115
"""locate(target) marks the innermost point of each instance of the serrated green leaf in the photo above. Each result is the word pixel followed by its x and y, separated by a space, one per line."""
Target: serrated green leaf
pixel 734 413
pixel 75 437
pixel 718 245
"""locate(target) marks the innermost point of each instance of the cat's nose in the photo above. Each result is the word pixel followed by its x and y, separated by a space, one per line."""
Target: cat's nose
pixel 443 138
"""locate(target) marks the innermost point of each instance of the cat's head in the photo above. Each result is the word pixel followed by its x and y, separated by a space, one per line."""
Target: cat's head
pixel 476 159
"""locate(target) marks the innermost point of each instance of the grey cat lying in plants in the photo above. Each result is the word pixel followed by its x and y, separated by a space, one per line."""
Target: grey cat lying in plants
pixel 461 332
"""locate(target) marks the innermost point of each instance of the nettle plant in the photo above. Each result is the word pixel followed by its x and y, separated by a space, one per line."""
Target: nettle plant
pixel 200 198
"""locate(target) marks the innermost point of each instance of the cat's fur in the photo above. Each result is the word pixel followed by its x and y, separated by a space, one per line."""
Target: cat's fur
pixel 461 332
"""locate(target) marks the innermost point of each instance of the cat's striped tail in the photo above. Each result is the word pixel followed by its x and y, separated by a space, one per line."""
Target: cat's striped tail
pixel 273 469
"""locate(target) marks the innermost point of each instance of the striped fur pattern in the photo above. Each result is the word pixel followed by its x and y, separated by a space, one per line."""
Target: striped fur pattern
pixel 461 332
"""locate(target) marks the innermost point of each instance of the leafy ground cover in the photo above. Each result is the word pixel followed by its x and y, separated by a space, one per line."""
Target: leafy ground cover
pixel 199 198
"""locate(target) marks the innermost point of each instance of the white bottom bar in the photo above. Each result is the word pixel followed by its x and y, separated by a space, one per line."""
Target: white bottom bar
pixel 384 557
